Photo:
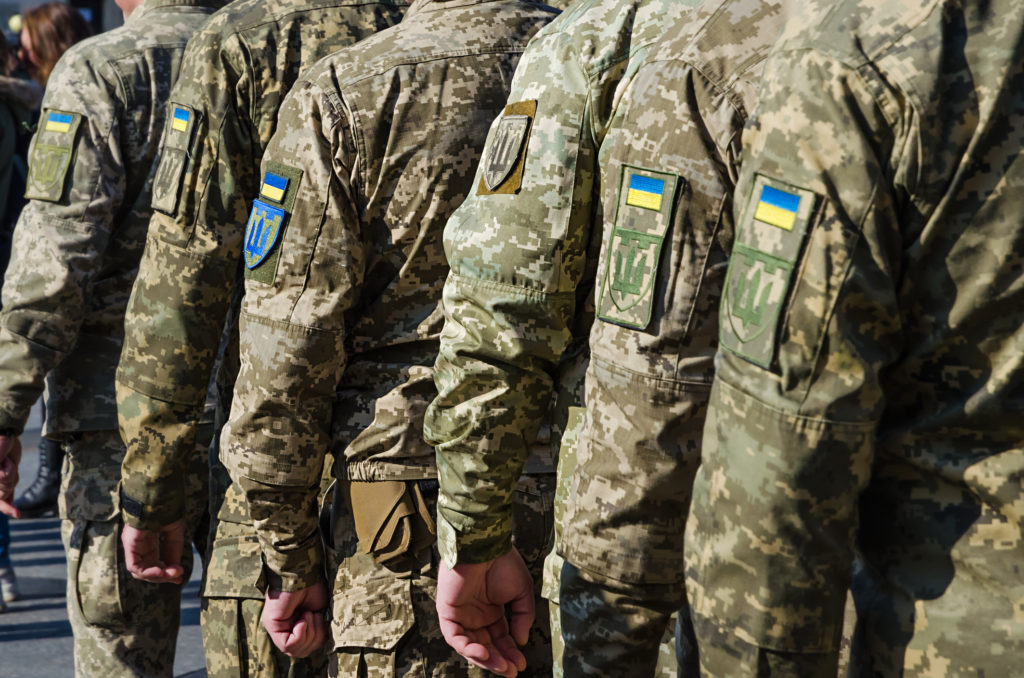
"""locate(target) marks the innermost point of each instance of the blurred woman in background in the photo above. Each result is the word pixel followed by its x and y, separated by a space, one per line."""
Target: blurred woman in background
pixel 47 31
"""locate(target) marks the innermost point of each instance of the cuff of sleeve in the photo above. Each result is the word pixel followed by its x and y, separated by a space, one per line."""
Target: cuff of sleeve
pixel 146 510
pixel 11 424
pixel 295 569
pixel 472 546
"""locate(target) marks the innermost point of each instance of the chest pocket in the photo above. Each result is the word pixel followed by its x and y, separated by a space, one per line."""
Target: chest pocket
pixel 175 152
pixel 50 156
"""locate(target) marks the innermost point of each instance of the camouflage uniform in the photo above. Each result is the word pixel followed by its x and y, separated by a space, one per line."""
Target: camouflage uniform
pixel 234 78
pixel 340 321
pixel 868 392
pixel 76 251
pixel 516 297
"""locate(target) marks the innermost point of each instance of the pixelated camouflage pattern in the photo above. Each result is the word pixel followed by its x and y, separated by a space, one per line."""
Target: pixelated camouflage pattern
pixel 234 78
pixel 237 646
pixel 667 661
pixel 385 625
pixel 610 631
pixel 338 351
pixel 74 258
pixel 889 420
pixel 519 291
pixel 122 626
pixel 647 389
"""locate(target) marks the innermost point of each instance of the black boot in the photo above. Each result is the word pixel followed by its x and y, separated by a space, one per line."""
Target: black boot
pixel 40 499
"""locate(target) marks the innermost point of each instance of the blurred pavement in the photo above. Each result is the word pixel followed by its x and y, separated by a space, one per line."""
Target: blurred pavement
pixel 35 636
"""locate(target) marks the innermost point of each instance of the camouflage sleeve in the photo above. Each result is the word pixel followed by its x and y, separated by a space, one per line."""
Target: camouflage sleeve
pixel 292 328
pixel 516 248
pixel 76 186
pixel 809 318
pixel 205 172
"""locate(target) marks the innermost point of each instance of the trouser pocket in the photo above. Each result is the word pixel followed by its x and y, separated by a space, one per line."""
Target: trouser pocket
pixel 96 572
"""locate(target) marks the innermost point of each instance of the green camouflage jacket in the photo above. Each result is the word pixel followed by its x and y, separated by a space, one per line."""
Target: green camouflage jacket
pixel 340 322
pixel 234 78
pixel 523 264
pixel 869 380
pixel 668 168
pixel 77 243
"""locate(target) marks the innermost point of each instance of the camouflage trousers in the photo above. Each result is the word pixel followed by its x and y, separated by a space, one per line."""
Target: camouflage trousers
pixel 601 626
pixel 121 626
pixel 385 625
pixel 236 644
pixel 667 665
pixel 623 630
pixel 234 640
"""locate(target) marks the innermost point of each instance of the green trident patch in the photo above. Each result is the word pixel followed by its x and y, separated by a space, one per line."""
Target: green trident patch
pixel 769 241
pixel 643 216
pixel 50 155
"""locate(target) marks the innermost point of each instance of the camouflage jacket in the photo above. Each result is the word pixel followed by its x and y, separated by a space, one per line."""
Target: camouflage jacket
pixel 234 78
pixel 668 167
pixel 869 379
pixel 523 265
pixel 78 241
pixel 340 321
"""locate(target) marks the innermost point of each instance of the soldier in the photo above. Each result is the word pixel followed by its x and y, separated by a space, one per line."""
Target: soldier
pixel 234 78
pixel 340 323
pixel 650 170
pixel 76 252
pixel 868 391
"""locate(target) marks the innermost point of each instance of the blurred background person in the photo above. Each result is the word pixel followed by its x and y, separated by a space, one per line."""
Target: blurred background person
pixel 9 117
pixel 47 32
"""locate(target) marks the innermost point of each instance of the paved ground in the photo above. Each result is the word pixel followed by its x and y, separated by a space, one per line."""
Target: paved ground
pixel 35 637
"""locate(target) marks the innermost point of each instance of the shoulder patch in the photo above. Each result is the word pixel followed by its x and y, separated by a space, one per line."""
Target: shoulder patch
pixel 175 151
pixel 50 156
pixel 268 220
pixel 769 240
pixel 643 216
pixel 504 158
pixel 261 232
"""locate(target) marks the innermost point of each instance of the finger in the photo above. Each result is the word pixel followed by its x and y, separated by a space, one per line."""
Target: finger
pixel 456 636
pixel 319 628
pixel 505 645
pixel 278 633
pixel 171 550
pixel 9 510
pixel 142 560
pixel 522 612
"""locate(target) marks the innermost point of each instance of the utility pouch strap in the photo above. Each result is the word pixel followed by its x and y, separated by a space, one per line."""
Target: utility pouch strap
pixel 393 522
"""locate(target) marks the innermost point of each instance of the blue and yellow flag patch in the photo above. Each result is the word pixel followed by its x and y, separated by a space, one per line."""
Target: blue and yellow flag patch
pixel 58 122
pixel 180 119
pixel 645 192
pixel 777 208
pixel 274 187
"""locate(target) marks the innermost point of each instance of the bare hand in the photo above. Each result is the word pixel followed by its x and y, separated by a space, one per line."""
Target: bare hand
pixel 10 457
pixel 295 619
pixel 471 605
pixel 155 555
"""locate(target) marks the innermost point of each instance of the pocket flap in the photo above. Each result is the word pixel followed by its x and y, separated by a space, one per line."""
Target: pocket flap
pixel 373 613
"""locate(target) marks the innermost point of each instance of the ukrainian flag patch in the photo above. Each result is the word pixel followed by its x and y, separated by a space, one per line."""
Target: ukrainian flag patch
pixel 645 192
pixel 763 266
pixel 180 119
pixel 777 208
pixel 274 187
pixel 58 122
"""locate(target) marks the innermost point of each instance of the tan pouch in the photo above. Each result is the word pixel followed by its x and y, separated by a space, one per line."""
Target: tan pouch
pixel 393 523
